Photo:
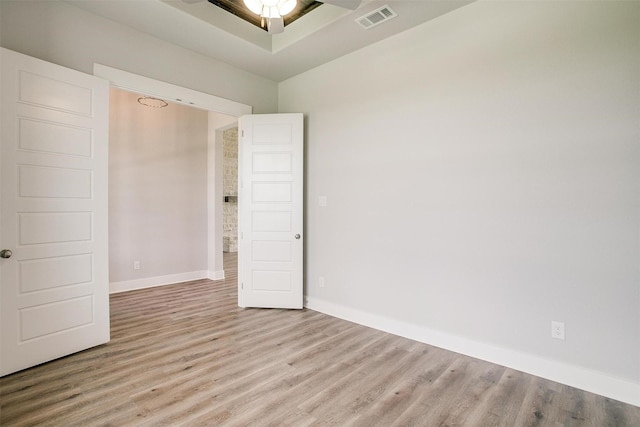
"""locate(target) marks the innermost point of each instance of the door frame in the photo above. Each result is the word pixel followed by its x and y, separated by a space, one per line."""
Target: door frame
pixel 214 105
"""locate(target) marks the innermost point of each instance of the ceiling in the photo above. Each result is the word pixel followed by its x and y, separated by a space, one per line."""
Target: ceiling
pixel 322 35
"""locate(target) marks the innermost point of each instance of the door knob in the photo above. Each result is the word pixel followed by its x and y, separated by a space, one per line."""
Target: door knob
pixel 297 236
pixel 5 253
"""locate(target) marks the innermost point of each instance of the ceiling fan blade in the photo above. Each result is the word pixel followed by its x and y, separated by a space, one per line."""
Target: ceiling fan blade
pixel 347 4
pixel 275 25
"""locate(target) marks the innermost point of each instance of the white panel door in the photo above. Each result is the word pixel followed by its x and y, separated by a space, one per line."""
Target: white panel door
pixel 270 168
pixel 54 288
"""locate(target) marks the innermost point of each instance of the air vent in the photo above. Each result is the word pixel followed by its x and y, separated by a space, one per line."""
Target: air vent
pixel 376 17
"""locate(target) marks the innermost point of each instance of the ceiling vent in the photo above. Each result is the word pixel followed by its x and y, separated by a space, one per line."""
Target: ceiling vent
pixel 376 17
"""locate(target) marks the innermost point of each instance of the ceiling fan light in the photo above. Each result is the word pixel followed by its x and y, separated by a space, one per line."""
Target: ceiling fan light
pixel 270 8
pixel 254 6
pixel 286 6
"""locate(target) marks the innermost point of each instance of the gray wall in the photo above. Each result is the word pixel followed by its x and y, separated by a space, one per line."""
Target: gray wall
pixel 64 34
pixel 483 179
pixel 157 189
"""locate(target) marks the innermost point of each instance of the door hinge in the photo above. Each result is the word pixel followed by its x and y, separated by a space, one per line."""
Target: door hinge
pixel 241 235
pixel 242 286
pixel 243 133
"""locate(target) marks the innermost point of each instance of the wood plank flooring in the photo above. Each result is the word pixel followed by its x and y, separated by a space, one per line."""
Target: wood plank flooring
pixel 185 354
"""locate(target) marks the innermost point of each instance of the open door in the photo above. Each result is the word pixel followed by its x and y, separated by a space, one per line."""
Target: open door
pixel 270 217
pixel 54 284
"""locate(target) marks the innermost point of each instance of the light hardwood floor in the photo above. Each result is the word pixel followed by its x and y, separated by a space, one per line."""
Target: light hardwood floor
pixel 185 354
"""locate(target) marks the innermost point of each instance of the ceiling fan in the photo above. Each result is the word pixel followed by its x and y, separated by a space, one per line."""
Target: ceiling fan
pixel 272 15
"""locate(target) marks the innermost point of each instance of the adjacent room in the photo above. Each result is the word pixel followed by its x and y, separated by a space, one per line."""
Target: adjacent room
pixel 470 203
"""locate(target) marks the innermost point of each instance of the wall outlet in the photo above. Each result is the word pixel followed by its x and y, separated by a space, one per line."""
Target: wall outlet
pixel 321 281
pixel 557 330
pixel 322 201
pixel 136 265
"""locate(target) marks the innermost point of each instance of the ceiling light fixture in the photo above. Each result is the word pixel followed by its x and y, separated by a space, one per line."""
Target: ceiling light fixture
pixel 150 101
pixel 270 9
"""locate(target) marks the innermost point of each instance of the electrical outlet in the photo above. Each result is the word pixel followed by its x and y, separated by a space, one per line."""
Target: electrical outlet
pixel 557 330
pixel 321 281
pixel 322 201
pixel 136 265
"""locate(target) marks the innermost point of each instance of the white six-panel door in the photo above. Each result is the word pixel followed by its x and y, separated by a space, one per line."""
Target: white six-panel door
pixel 270 214
pixel 53 212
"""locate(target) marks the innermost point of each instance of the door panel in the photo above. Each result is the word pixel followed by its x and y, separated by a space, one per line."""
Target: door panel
pixel 49 273
pixel 270 211
pixel 53 212
pixel 54 138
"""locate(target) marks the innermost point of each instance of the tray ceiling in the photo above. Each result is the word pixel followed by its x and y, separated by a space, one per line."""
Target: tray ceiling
pixel 318 36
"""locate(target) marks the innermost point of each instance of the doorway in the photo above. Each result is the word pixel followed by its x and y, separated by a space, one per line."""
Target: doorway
pixel 157 191
pixel 221 114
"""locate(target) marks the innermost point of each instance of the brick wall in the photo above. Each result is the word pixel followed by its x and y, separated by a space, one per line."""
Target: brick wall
pixel 230 188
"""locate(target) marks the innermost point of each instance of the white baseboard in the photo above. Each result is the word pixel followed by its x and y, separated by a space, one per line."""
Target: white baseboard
pixel 216 275
pixel 571 375
pixel 149 282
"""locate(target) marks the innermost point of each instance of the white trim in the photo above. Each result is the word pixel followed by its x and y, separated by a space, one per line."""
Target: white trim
pixel 216 275
pixel 150 282
pixel 571 375
pixel 169 92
